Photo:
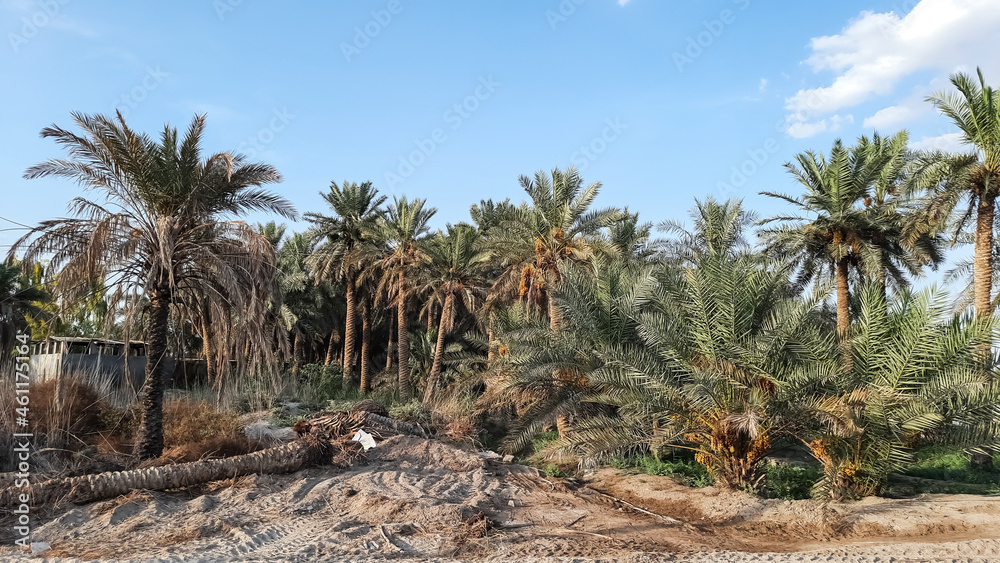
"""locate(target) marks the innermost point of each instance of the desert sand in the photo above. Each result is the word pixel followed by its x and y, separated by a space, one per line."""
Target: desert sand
pixel 423 500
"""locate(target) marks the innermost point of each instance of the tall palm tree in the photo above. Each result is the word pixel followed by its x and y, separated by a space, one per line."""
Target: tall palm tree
pixel 160 228
pixel 894 256
pixel 553 229
pixel 356 209
pixel 455 270
pixel 833 232
pixel 949 179
pixel 403 228
pixel 490 218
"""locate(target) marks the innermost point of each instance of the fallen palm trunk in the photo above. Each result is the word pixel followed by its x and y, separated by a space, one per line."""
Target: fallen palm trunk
pixel 287 458
pixel 339 424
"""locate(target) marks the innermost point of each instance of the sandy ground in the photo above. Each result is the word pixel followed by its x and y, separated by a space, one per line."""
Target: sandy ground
pixel 422 500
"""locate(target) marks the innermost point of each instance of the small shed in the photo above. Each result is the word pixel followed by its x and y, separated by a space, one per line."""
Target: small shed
pixel 121 363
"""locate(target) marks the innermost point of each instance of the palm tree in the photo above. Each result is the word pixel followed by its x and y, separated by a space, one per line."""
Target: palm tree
pixel 835 229
pixel 490 218
pixel 719 230
pixel 916 378
pixel 727 350
pixel 18 297
pixel 626 238
pixel 302 296
pixel 356 208
pixel 456 269
pixel 895 256
pixel 402 228
pixel 161 230
pixel 949 179
pixel 553 229
pixel 552 374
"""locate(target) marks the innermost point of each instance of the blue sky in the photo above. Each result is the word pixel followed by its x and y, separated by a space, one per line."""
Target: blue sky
pixel 661 101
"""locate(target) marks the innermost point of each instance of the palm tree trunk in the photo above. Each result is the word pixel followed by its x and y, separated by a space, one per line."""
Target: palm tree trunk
pixel 983 259
pixel 331 347
pixel 366 338
pixel 982 279
pixel 89 488
pixel 843 299
pixel 349 323
pixel 150 444
pixel 402 342
pixel 432 379
pixel 388 345
pixel 211 373
pixel 297 353
pixel 844 312
pixel 553 312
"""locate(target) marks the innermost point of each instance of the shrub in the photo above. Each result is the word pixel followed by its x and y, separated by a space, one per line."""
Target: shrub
pixel 684 469
pixel 791 482
pixel 320 383
pixel 76 417
pixel 412 412
pixel 188 422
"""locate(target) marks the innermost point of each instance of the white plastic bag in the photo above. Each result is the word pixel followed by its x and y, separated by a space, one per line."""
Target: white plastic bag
pixel 366 439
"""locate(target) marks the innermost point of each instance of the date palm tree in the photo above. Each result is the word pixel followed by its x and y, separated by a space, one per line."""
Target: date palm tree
pixel 834 230
pixel 553 229
pixel 915 379
pixel 356 209
pixel 402 229
pixel 455 271
pixel 18 297
pixel 162 227
pixel 975 177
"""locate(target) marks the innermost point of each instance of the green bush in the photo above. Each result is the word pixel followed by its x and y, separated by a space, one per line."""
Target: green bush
pixel 682 468
pixel 791 482
pixel 412 412
pixel 946 463
pixel 319 383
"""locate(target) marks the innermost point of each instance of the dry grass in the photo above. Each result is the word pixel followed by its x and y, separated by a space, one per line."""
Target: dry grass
pixel 195 430
pixel 189 422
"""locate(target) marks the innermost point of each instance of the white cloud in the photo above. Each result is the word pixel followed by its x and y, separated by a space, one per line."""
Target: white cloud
pixel 893 116
pixel 804 129
pixel 877 50
pixel 763 85
pixel 623 2
pixel 949 142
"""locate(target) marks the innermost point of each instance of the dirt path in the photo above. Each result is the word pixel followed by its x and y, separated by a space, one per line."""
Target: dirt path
pixel 422 500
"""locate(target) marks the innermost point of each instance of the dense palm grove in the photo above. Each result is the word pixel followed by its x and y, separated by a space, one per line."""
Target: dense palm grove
pixel 731 338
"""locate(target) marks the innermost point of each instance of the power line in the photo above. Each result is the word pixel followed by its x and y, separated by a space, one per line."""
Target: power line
pixel 15 222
